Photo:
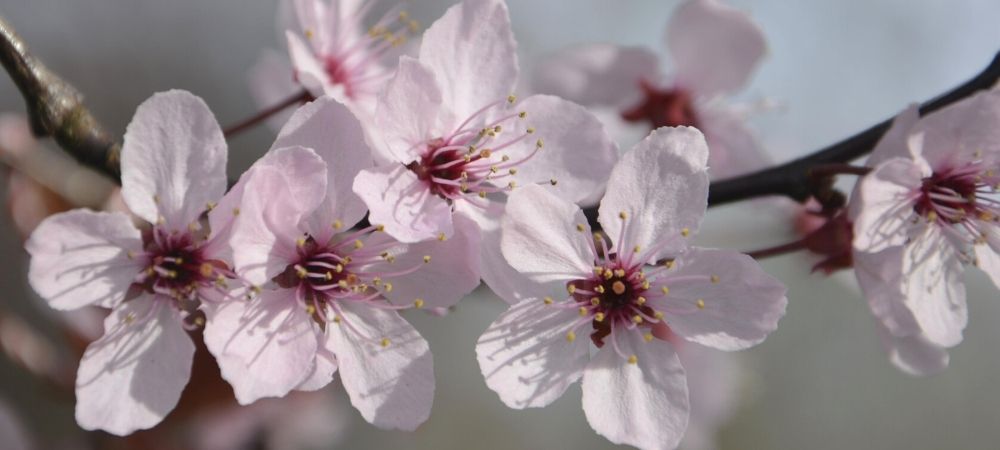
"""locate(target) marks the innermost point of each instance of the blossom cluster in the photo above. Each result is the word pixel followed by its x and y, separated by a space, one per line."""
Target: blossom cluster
pixel 411 173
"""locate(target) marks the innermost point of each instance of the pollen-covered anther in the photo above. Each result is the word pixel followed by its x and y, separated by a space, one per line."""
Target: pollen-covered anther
pixel 427 259
pixel 300 242
pixel 648 337
pixel 547 300
pixel 511 98
pixel 570 336
pixel 379 227
pixel 658 315
pixel 645 284
pixel 486 153
pixel 337 224
pixel 685 231
pixel 418 303
pixel 583 311
pixel 388 287
pixel 385 342
pixel 632 359
pixel 640 300
pixel 595 301
pixel 579 227
pixel 637 319
pixel 599 289
pixel 442 237
pixel 236 211
pixel 715 278
pixel 530 130
pixel 636 249
pixel 700 303
pixel 358 244
pixel 623 215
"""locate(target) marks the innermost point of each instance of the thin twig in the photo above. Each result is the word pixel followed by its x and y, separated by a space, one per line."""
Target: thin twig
pixel 777 250
pixel 297 98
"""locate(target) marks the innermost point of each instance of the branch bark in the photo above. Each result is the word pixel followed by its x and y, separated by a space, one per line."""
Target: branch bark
pixel 56 109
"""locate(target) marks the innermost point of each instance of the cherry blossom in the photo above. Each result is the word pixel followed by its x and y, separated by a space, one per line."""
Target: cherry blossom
pixel 714 49
pixel 153 277
pixel 926 211
pixel 328 296
pixel 634 387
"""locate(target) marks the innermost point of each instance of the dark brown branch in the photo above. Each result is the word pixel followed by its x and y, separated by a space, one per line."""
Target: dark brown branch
pixel 295 99
pixel 792 179
pixel 55 108
pixel 778 249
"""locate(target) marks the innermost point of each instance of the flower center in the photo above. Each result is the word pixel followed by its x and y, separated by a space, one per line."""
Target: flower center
pixel 613 296
pixel 473 160
pixel 954 196
pixel 663 107
pixel 178 266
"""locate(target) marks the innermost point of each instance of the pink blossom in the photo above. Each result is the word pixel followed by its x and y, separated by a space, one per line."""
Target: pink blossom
pixel 153 278
pixel 328 295
pixel 634 387
pixel 714 49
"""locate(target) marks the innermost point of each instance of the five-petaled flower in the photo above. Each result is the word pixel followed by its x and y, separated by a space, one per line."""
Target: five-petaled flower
pixel 927 210
pixel 326 294
pixel 714 49
pixel 611 296
pixel 156 277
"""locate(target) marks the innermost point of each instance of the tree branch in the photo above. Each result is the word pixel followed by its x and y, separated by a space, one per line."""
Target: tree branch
pixel 792 179
pixel 55 108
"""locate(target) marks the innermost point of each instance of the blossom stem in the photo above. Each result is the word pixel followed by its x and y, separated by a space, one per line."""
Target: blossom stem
pixel 778 250
pixel 250 122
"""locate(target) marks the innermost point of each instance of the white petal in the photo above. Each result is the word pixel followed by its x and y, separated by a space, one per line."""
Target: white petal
pixel 738 309
pixel 334 133
pixel 132 377
pixel 933 287
pixel 282 189
pixel 732 148
pixel 309 71
pixel 597 74
pixel 404 204
pixel 392 385
pixel 542 237
pixel 662 187
pixel 880 276
pixel 409 111
pixel 265 347
pixel 962 132
pixel 526 356
pixel 577 152
pixel 894 143
pixel 885 199
pixel 81 257
pixel 472 52
pixel 643 404
pixel 322 374
pixel 715 47
pixel 173 159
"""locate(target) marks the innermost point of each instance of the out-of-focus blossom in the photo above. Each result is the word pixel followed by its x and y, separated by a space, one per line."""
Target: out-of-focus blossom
pixel 926 211
pixel 634 388
pixel 155 278
pixel 302 420
pixel 328 295
pixel 13 434
pixel 714 49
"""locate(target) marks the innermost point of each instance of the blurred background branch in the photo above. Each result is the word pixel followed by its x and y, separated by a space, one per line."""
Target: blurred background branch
pixel 56 109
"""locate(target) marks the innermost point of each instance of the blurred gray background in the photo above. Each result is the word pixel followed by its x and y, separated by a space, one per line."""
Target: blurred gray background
pixel 836 66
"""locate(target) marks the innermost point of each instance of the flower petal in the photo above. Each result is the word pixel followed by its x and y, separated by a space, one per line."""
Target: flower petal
pixel 733 149
pixel 132 377
pixel 962 132
pixel 282 189
pixel 894 144
pixel 385 364
pixel 409 111
pixel 271 81
pixel 265 347
pixel 402 203
pixel 739 306
pixel 527 357
pixel 885 205
pixel 309 71
pixel 933 287
pixel 323 372
pixel 662 187
pixel 880 276
pixel 577 152
pixel 914 354
pixel 334 133
pixel 505 281
pixel 545 237
pixel 472 52
pixel 81 257
pixel 451 273
pixel 597 74
pixel 173 159
pixel 643 404
pixel 715 47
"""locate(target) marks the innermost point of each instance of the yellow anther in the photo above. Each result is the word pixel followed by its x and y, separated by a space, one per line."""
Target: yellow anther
pixel 210 206
pixel 595 301
pixel 206 270
pixel 358 244
pixel 619 273
pixel 300 242
pixel 328 276
pixel 427 259
pixel 199 321
pixel 522 114
pixel 632 359
pixel 505 158
pixel 539 144
pixel 482 194
pixel 571 289
pixel 339 268
pixel 129 318
pixel 193 226
pixel 379 227
pixel 343 284
pixel 512 185
pixel 390 258
pixel 641 300
pixel 579 227
pixel 337 224
pixel 441 236
pixel 255 289
pixel 385 342
pixel 236 211
pixel 497 129
pixel 388 287
pixel 486 153
pixel 336 319
pixel 599 289
pixel 403 15
pixel 464 175
pixel 636 249
pixel 986 215
pixel 608 274
pixel 583 311
pixel 700 303
pixel 618 287
pixel 669 264
pixel 547 300
pixel 530 130
pixel 511 98
pixel 648 337
pixel 310 309
pixel 309 33
pixel 658 315
pixel 599 317
pixel 637 319
pixel 130 254
pixel 623 215
pixel 645 284
pixel 598 236
pixel 512 171
pixel 418 303
pixel 715 278
pixel 685 231
pixel 570 337
pixel 467 158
